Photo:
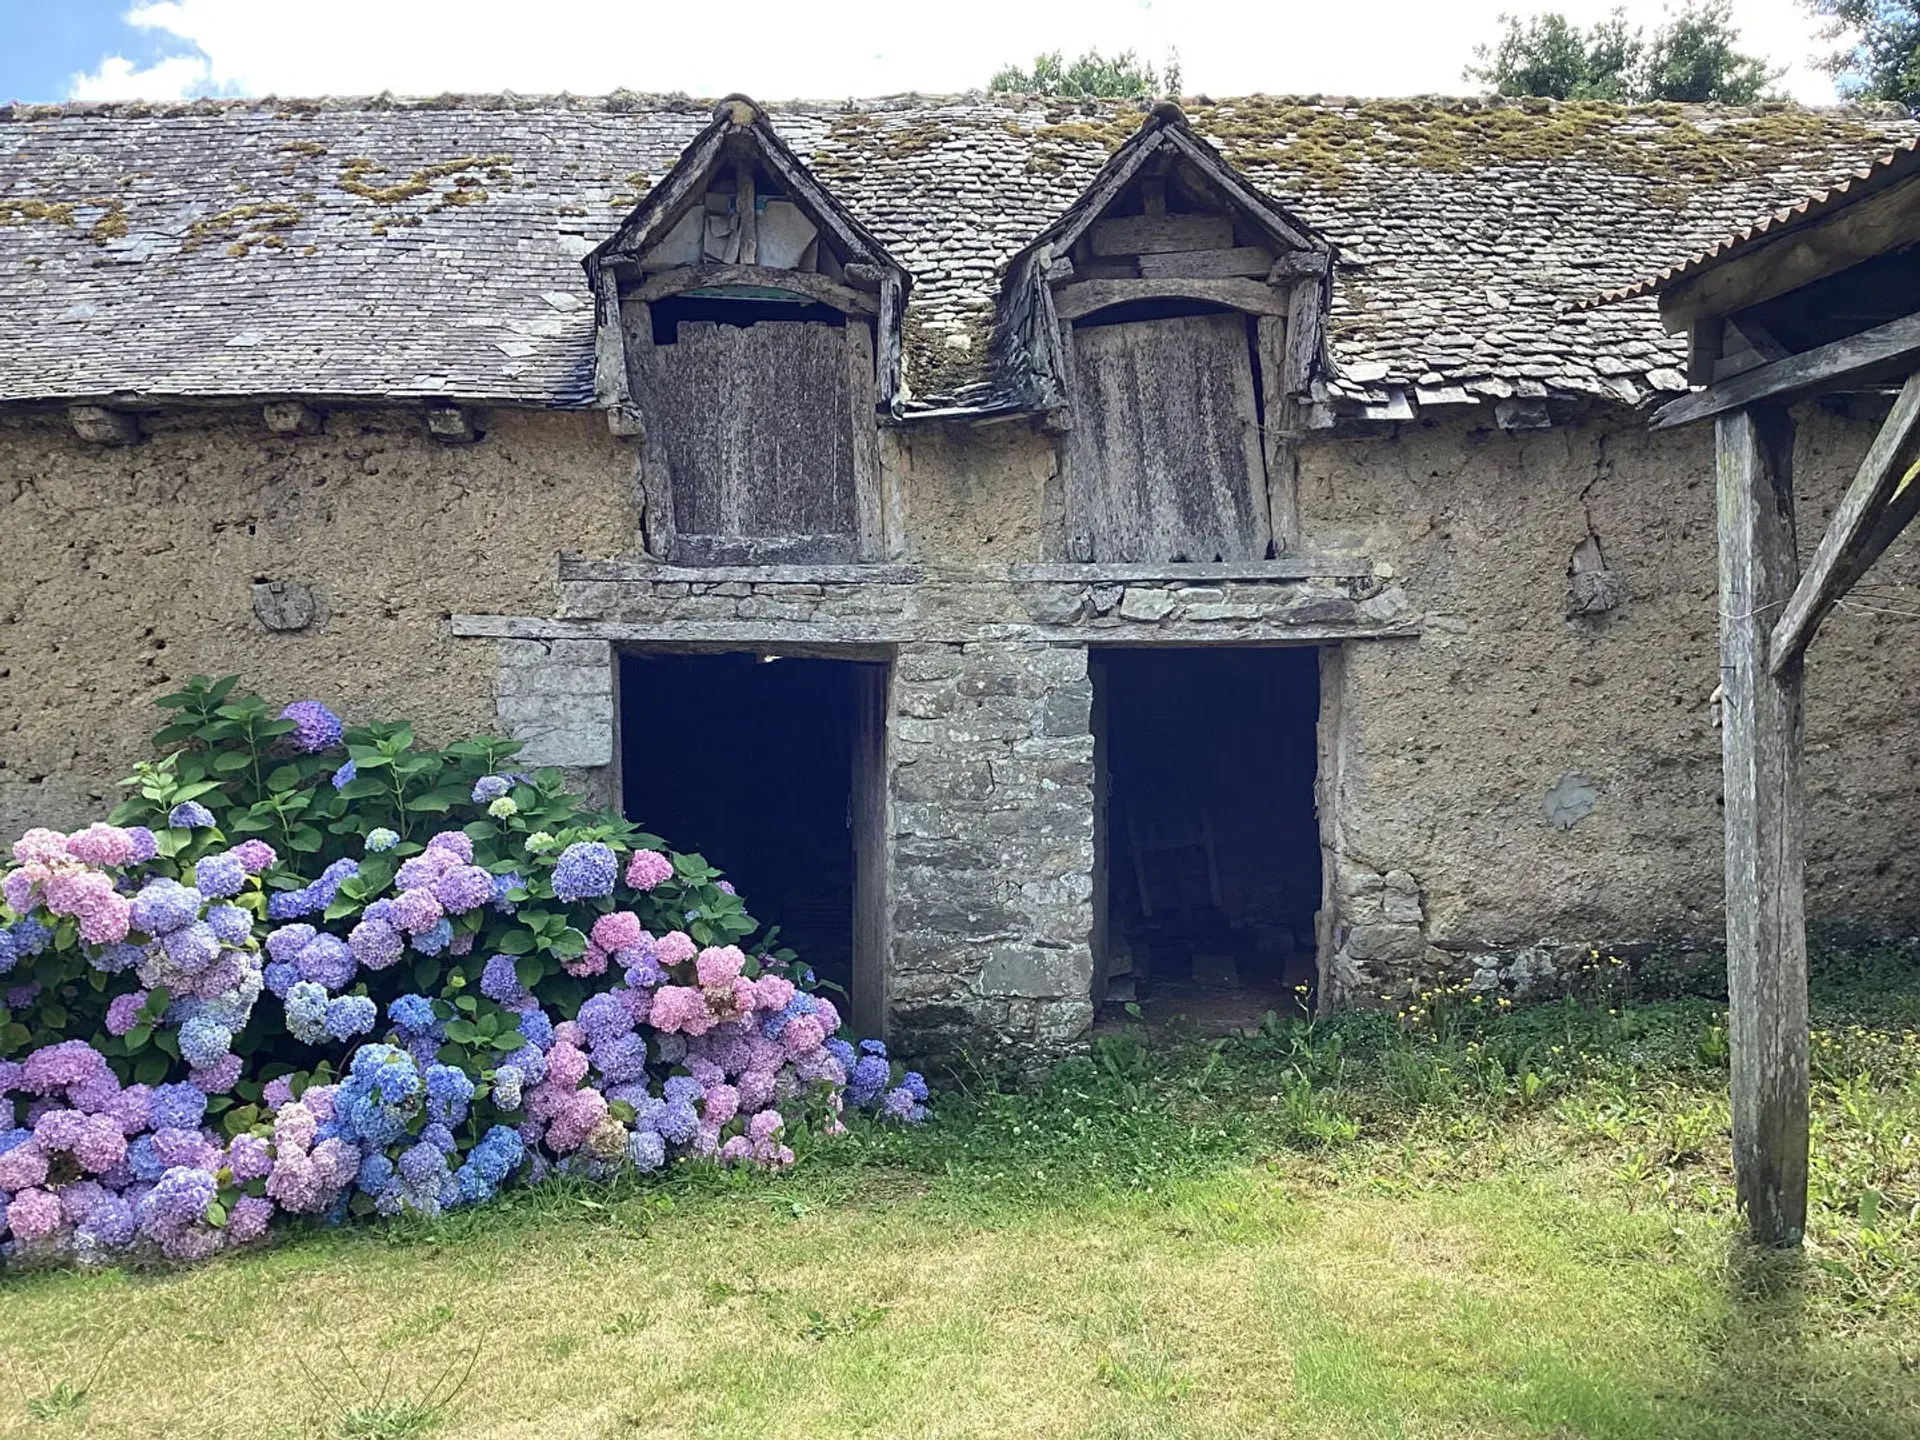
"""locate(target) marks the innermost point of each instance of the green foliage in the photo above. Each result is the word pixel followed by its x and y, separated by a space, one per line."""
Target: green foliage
pixel 1091 76
pixel 1876 53
pixel 1690 59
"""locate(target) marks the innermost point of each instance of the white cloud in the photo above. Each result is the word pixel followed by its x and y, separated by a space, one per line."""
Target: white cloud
pixel 175 78
pixel 847 47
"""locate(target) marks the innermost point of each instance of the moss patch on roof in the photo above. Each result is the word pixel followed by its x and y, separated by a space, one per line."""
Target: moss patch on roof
pixel 1672 146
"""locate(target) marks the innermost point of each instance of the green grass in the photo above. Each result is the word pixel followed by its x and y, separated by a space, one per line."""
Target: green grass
pixel 1442 1224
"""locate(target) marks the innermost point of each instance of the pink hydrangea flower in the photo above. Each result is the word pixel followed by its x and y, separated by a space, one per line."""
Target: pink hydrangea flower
pixel 34 1214
pixel 23 1166
pixel 455 842
pixel 765 1125
pixel 100 844
pixel 771 993
pixel 416 911
pixel 48 847
pixel 617 931
pixel 254 856
pixel 217 1078
pixel 736 1151
pixel 721 1105
pixel 676 947
pixel 566 1063
pixel 647 869
pixel 719 964
pixel 589 962
pixel 107 920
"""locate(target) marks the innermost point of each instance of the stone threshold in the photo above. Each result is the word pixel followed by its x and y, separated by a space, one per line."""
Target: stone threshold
pixel 1293 567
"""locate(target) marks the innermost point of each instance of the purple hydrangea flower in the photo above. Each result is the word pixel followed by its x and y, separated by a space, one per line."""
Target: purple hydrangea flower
pixel 178 1106
pixel 146 844
pixel 350 1015
pixel 233 925
pixel 192 947
pixel 436 939
pixel 463 888
pixel 219 876
pixel 328 961
pixel 500 980
pixel 162 907
pixel 315 727
pixel 376 944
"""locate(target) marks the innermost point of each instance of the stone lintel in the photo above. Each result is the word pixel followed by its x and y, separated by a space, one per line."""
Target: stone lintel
pixel 884 630
pixel 634 571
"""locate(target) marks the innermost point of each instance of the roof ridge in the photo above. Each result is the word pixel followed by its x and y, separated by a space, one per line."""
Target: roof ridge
pixel 654 102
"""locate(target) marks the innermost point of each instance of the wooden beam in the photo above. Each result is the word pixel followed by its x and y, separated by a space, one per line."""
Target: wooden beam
pixel 1869 354
pixel 1840 559
pixel 1209 264
pixel 1072 302
pixel 746 217
pixel 799 282
pixel 1157 234
pixel 1799 255
pixel 1760 749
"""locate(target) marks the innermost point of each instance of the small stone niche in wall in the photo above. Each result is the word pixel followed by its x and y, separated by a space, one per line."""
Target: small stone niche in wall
pixel 284 604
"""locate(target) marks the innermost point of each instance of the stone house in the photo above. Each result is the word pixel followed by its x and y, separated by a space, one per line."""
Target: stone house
pixel 1197 547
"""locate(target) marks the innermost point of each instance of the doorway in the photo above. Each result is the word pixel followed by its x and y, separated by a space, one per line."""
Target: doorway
pixel 1207 878
pixel 773 768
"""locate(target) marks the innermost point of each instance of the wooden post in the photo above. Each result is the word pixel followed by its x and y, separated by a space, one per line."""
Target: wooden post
pixel 1766 925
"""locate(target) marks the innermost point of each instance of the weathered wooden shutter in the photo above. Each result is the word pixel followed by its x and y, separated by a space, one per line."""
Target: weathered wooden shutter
pixel 758 443
pixel 1165 460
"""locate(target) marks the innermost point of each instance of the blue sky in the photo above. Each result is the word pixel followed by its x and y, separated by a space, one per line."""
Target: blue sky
pixel 170 49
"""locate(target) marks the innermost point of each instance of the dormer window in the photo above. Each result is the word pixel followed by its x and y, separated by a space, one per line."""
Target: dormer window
pixel 749 332
pixel 1168 323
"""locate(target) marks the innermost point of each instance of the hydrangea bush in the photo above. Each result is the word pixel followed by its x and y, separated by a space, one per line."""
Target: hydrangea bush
pixel 309 970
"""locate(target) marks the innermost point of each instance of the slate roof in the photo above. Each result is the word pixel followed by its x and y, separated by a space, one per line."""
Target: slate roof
pixel 1898 164
pixel 380 249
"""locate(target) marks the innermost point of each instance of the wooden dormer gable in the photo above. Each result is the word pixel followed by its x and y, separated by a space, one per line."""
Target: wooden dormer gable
pixel 748 331
pixel 740 213
pixel 1168 325
pixel 1166 220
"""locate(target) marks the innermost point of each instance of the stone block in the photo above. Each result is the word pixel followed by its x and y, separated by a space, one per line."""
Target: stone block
pixel 98 425
pixel 917 664
pixel 1146 604
pixel 1032 973
pixel 1400 899
pixel 1067 709
pixel 1057 607
pixel 1389 605
pixel 1383 942
pixel 1321 608
pixel 283 604
pixel 943 780
pixel 1220 611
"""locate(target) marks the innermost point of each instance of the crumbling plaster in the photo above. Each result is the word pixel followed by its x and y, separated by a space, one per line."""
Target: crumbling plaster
pixel 125 570
pixel 1449 746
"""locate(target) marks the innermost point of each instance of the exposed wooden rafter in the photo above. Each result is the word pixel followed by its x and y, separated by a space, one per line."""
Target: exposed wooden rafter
pixel 1878 505
pixel 1871 354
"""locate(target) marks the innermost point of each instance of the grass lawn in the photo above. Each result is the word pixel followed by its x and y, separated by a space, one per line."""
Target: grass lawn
pixel 1455 1224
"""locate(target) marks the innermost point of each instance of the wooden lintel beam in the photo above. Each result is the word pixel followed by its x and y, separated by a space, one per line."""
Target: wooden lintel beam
pixel 1841 557
pixel 800 282
pixel 1828 367
pixel 1082 298
pixel 1760 748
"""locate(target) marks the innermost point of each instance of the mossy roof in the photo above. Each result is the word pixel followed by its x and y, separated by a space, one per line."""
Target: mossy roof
pixel 381 249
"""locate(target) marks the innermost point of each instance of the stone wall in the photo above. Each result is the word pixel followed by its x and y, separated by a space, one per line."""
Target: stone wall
pixel 124 570
pixel 991 885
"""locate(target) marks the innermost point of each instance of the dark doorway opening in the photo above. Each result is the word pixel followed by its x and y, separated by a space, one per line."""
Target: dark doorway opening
pixel 1207 882
pixel 772 768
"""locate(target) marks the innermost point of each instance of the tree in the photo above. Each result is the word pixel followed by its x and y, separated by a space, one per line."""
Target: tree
pixel 1692 58
pixel 1548 56
pixel 1878 54
pixel 1123 77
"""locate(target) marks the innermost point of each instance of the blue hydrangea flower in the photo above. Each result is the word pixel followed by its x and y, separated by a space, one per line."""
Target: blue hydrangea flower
pixel 538 1029
pixel 179 1106
pixel 189 815
pixel 350 1015
pixel 678 1122
pixel 682 1090
pixel 436 939
pixel 30 937
pixel 503 886
pixel 585 869
pixel 448 1091
pixel 306 1007
pixel 345 775
pixel 506 1088
pixel 647 1149
pixel 489 788
pixel 204 1040
pixel 10 952
pixel 161 907
pixel 500 980
pixel 376 1170
pixel 232 924
pixel 291 904
pixel 412 1014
